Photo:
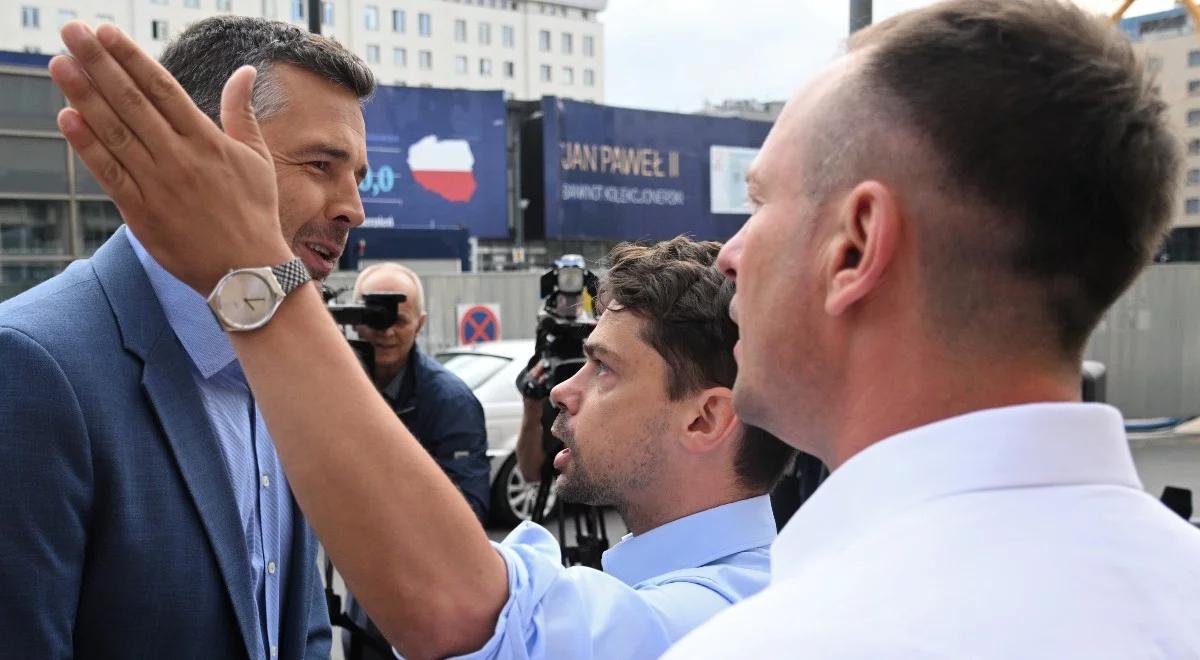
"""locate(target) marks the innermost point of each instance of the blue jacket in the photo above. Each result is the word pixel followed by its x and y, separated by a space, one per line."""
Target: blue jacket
pixel 441 411
pixel 119 531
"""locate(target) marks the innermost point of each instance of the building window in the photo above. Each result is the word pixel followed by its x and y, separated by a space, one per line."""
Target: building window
pixel 510 70
pixel 1193 147
pixel 105 18
pixel 585 14
pixel 507 38
pixel 1193 87
pixel 1193 118
pixel 65 16
pixel 568 43
pixel 31 17
pixel 460 31
pixel 298 9
pixel 1192 206
pixel 544 41
pixel 545 71
pixel 589 46
pixel 225 5
pixel 424 25
pixel 158 30
pixel 568 75
pixel 397 20
pixel 1183 244
pixel 327 13
pixel 1193 177
pixel 1194 58
pixel 425 59
pixel 191 4
pixel 372 54
pixel 371 17
pixel 589 78
pixel 485 34
pixel 399 57
pixel 158 2
pixel 485 67
pixel 460 65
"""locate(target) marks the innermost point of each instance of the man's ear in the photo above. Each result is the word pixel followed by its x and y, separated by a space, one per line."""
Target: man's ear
pixel 868 229
pixel 712 423
pixel 421 322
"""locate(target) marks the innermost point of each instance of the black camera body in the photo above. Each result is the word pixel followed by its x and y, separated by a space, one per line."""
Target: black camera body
pixel 562 326
pixel 378 311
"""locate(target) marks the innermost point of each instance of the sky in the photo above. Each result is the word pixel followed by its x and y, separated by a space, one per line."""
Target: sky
pixel 675 54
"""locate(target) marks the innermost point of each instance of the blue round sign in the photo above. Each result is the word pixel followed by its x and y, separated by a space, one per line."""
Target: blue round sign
pixel 478 324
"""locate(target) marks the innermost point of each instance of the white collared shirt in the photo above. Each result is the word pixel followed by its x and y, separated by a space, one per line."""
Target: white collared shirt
pixel 1017 532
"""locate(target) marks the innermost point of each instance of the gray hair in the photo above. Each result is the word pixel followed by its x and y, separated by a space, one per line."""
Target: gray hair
pixel 395 269
pixel 207 53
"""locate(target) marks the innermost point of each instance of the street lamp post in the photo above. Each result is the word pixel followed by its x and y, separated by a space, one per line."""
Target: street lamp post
pixel 314 16
pixel 860 14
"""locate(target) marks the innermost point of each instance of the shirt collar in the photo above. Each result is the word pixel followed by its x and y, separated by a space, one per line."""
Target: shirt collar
pixel 189 316
pixel 392 389
pixel 692 541
pixel 1022 446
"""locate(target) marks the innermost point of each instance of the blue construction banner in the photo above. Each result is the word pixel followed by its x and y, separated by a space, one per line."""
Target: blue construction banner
pixel 619 174
pixel 437 159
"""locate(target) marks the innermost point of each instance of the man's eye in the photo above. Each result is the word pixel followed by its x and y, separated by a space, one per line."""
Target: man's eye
pixel 322 165
pixel 601 368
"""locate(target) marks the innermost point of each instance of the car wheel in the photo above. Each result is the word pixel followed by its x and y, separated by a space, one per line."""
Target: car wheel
pixel 513 497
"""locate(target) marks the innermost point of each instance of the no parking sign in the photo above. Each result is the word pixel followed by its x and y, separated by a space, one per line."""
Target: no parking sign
pixel 478 323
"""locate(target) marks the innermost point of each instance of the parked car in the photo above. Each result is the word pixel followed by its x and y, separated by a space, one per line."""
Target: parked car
pixel 490 370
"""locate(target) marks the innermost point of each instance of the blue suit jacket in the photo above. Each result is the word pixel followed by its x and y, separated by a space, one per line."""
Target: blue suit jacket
pixel 119 532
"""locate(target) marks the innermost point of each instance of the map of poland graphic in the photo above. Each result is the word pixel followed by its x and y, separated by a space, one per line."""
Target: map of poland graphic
pixel 443 167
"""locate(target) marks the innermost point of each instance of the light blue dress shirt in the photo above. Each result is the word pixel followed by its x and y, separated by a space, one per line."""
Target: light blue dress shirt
pixel 263 499
pixel 655 588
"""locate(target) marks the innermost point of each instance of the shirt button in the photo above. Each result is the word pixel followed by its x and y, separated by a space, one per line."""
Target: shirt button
pixel 274 651
pixel 271 567
pixel 266 481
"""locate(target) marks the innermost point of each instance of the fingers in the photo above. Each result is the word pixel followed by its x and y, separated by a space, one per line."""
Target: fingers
pixel 117 90
pixel 237 115
pixel 107 169
pixel 103 125
pixel 159 86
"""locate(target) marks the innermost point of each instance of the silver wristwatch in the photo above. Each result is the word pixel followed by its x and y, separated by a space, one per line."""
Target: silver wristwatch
pixel 246 298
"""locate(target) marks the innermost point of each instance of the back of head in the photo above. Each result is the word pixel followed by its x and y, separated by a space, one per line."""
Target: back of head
pixel 204 55
pixel 1052 165
pixel 392 269
pixel 676 289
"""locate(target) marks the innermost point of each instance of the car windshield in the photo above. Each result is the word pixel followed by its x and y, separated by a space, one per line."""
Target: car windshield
pixel 473 368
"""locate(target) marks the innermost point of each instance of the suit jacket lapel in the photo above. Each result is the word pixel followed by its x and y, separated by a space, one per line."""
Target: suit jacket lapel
pixel 175 399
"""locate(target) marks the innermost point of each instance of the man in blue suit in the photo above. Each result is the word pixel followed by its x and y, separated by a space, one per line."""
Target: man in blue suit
pixel 143 512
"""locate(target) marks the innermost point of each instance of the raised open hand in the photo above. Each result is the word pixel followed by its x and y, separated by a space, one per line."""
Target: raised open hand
pixel 201 199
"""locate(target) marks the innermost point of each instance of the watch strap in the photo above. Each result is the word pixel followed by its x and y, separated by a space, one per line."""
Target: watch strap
pixel 291 275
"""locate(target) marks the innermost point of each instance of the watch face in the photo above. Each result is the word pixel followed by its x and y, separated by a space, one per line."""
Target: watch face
pixel 245 300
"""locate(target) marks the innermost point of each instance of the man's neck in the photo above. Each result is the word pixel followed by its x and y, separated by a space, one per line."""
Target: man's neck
pixel 882 407
pixel 642 516
pixel 385 374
